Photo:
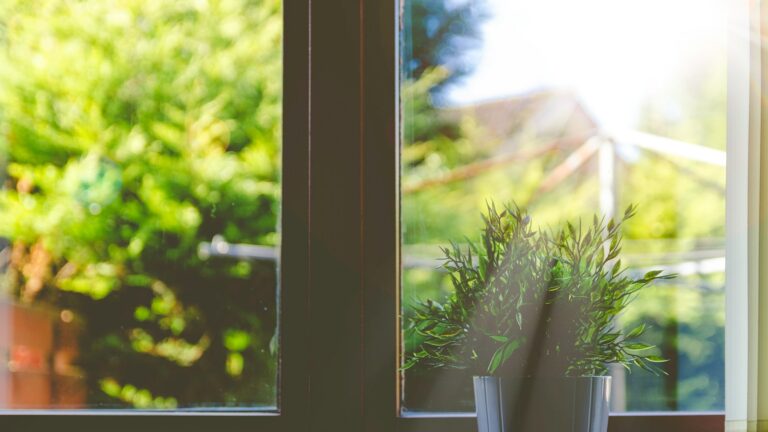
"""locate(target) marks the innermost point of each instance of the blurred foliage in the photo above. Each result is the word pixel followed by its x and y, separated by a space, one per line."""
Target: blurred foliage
pixel 135 130
pixel 681 210
pixel 444 34
pixel 686 321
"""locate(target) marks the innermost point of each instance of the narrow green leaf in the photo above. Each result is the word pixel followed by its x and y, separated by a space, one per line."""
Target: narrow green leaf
pixel 502 355
pixel 637 346
pixel 652 274
pixel 635 332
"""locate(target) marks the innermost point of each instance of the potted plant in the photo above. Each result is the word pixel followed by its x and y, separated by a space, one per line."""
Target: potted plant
pixel 532 317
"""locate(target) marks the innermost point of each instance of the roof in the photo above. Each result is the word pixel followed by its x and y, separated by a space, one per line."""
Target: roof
pixel 539 117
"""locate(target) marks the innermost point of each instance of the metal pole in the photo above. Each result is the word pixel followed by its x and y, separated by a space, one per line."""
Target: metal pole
pixel 608 207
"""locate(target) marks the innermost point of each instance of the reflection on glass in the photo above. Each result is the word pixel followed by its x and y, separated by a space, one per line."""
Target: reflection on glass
pixel 566 109
pixel 139 203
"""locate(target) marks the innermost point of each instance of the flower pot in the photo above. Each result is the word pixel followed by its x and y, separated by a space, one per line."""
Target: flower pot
pixel 38 349
pixel 542 404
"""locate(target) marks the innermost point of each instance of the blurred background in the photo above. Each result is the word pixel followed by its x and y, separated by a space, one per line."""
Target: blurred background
pixel 139 144
pixel 569 109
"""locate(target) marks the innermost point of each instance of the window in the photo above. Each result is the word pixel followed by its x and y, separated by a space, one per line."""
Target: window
pixel 143 142
pixel 130 180
pixel 508 102
pixel 340 263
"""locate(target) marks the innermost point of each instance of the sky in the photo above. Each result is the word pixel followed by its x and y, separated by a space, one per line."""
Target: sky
pixel 613 54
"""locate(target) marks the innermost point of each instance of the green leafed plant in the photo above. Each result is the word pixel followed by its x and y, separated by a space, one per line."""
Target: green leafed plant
pixel 530 302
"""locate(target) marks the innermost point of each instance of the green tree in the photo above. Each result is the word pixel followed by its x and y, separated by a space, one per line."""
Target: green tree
pixel 684 210
pixel 135 130
pixel 442 33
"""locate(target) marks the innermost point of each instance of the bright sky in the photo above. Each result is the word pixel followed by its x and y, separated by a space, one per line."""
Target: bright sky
pixel 613 54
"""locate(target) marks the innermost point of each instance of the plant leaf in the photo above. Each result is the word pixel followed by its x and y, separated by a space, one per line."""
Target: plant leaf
pixel 502 355
pixel 635 332
pixel 638 346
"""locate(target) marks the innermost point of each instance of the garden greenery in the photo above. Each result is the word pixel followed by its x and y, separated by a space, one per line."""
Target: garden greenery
pixel 530 302
pixel 133 131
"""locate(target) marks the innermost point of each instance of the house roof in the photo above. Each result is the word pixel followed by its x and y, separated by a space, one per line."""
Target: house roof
pixel 539 116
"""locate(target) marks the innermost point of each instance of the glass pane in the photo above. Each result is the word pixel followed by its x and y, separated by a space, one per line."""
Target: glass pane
pixel 568 110
pixel 139 204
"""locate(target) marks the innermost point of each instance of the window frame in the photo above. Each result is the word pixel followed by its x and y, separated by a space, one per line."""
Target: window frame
pixel 293 373
pixel 340 255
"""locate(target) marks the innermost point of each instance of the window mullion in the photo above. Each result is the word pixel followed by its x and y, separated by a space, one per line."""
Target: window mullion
pixel 335 309
pixel 381 221
pixel 293 377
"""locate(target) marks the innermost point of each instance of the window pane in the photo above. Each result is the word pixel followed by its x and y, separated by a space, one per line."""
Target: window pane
pixel 139 204
pixel 568 109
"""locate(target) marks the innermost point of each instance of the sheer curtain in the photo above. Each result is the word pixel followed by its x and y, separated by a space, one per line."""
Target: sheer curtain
pixel 747 220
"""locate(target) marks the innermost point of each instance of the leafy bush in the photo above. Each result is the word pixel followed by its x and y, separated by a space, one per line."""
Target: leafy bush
pixel 134 131
pixel 528 303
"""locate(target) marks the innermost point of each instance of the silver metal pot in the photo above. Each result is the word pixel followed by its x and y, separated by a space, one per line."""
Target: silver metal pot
pixel 542 404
